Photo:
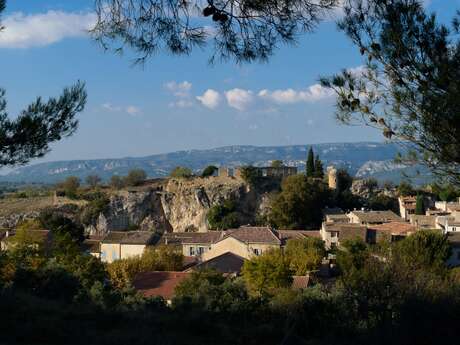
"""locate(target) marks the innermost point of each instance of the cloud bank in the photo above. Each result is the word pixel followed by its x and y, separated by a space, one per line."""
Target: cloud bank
pixel 38 30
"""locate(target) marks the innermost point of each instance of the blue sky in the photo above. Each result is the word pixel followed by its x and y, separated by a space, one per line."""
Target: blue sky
pixel 174 103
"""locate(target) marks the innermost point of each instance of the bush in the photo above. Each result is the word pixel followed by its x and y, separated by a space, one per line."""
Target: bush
pixel 221 217
pixel 117 182
pixel 181 172
pixel 209 171
pixel 135 178
pixel 70 186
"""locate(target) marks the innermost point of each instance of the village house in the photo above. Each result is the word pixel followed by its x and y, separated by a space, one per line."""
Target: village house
pixel 162 284
pixel 333 234
pixel 390 232
pixel 335 215
pixel 125 244
pixel 365 217
pixel 407 206
pixel 245 242
pixel 423 222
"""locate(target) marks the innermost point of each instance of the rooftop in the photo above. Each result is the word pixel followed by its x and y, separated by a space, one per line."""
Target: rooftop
pixel 129 237
pixel 224 263
pixel 159 283
pixel 394 227
pixel 191 237
pixel 376 216
pixel 254 235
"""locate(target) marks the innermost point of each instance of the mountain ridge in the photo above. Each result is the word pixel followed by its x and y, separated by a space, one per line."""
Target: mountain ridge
pixel 352 156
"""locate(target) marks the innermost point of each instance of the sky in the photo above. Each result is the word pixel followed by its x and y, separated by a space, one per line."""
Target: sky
pixel 174 103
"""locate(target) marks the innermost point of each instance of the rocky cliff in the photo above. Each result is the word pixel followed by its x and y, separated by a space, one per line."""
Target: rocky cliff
pixel 178 205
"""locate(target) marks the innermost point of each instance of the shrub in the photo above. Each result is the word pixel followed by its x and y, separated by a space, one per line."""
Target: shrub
pixel 209 171
pixel 181 172
pixel 223 216
pixel 135 178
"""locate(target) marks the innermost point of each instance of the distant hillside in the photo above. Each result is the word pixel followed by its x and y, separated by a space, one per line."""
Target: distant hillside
pixel 364 158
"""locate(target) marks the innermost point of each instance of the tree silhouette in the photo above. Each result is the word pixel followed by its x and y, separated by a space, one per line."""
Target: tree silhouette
pixel 244 30
pixel 409 86
pixel 29 135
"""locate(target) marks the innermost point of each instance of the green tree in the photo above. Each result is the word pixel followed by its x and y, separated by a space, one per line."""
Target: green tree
pixel 423 250
pixel 117 182
pixel 305 255
pixel 211 291
pixel 209 171
pixel 242 30
pixel 221 217
pixel 406 189
pixel 135 177
pixel 319 170
pixel 181 172
pixel 250 175
pixel 310 167
pixel 409 85
pixel 70 186
pixel 60 225
pixel 268 272
pixel 277 163
pixel 420 205
pixel 93 180
pixel 30 134
pixel 299 204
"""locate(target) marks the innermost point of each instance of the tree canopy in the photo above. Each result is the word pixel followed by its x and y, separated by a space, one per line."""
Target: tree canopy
pixel 299 204
pixel 408 87
pixel 29 135
pixel 248 30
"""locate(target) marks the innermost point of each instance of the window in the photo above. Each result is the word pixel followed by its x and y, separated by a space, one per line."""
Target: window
pixel 334 234
pixel 200 250
pixel 257 251
pixel 192 251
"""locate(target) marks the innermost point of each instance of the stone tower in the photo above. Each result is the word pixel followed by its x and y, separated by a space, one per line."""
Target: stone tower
pixel 332 177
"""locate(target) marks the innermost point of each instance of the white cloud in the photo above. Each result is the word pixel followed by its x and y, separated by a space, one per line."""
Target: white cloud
pixel 312 94
pixel 181 91
pixel 239 99
pixel 130 109
pixel 210 99
pixel 37 30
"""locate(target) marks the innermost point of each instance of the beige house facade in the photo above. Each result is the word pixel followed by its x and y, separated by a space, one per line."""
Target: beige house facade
pixel 124 244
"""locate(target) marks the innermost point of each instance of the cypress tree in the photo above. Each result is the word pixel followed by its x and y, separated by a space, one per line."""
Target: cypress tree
pixel 310 168
pixel 319 171
pixel 419 205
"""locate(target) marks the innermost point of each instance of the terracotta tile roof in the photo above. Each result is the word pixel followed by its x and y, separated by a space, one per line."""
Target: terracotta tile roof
pixel 338 218
pixel 254 234
pixel 159 283
pixel 224 263
pixel 129 237
pixel 300 282
pixel 423 221
pixel 394 227
pixel 377 216
pixel 180 238
pixel 285 235
pixel 347 231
